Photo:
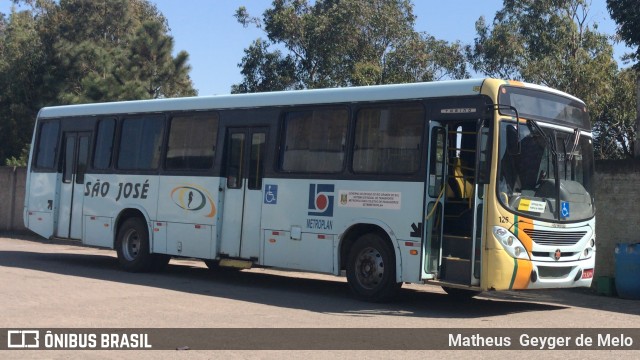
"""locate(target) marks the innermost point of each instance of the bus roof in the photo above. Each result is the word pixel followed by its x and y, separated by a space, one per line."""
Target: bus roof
pixel 281 98
pixel 275 98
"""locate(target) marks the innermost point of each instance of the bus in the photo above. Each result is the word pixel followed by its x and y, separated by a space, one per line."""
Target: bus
pixel 472 185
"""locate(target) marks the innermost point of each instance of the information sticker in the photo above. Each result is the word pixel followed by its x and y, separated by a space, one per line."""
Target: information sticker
pixel 532 206
pixel 371 199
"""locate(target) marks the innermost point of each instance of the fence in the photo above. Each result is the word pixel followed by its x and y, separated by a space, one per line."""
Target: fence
pixel 12 182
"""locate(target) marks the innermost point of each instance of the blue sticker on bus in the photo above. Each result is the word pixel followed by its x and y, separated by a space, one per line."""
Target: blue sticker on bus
pixel 270 194
pixel 564 209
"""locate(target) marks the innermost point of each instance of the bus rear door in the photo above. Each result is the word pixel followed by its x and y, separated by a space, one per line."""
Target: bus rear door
pixel 242 208
pixel 75 155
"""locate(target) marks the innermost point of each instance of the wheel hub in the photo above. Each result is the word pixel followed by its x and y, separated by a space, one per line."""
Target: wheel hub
pixel 131 245
pixel 370 268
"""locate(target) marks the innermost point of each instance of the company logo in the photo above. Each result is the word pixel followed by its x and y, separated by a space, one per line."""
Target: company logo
pixel 23 339
pixel 194 198
pixel 70 339
pixel 557 255
pixel 321 199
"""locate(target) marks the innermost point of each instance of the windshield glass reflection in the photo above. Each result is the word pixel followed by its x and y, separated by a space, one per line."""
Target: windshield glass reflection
pixel 550 178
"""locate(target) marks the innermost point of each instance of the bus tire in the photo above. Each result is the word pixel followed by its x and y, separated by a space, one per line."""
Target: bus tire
pixel 132 246
pixel 460 294
pixel 371 269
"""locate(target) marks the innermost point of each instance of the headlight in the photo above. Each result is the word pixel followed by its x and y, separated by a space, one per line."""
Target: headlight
pixel 510 243
pixel 588 251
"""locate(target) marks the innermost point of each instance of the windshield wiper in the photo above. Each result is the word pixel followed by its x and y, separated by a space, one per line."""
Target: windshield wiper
pixel 576 141
pixel 552 144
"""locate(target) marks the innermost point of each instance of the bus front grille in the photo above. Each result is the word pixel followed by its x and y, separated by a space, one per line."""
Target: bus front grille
pixel 555 238
pixel 547 272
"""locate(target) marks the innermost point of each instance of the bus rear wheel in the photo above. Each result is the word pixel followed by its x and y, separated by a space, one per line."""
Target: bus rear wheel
pixel 371 269
pixel 132 246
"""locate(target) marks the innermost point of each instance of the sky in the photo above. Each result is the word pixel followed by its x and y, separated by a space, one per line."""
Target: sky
pixel 215 41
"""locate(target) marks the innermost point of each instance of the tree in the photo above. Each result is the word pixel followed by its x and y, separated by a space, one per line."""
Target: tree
pixel 626 14
pixel 615 128
pixel 334 43
pixel 76 51
pixel 21 66
pixel 265 70
pixel 117 50
pixel 549 42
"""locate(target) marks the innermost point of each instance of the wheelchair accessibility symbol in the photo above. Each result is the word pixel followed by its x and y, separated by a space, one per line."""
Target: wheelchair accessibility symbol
pixel 564 209
pixel 271 194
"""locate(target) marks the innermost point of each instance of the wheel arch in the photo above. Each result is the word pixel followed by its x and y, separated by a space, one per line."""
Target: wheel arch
pixel 349 236
pixel 129 213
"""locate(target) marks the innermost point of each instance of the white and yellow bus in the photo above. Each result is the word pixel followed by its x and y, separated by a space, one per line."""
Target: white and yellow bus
pixel 472 185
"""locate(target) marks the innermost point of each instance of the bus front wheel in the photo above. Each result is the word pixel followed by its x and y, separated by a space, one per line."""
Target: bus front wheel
pixel 132 246
pixel 371 269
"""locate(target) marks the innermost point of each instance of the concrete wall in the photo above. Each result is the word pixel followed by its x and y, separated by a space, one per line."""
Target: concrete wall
pixel 12 182
pixel 617 191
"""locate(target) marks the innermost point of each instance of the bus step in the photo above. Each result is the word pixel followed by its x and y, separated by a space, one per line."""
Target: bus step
pixel 235 263
pixel 456 270
pixel 450 201
pixel 457 247
pixel 456 237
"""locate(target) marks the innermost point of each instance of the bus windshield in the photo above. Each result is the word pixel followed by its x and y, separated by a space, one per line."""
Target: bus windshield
pixel 551 177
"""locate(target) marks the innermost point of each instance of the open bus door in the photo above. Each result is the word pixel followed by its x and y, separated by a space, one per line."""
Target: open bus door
pixel 454 202
pixel 434 202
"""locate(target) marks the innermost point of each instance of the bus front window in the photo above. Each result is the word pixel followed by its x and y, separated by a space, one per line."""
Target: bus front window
pixel 550 178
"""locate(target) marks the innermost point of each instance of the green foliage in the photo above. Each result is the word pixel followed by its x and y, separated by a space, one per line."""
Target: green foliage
pixel 118 50
pixel 615 128
pixel 20 160
pixel 551 42
pixel 20 81
pixel 547 42
pixel 626 13
pixel 265 70
pixel 78 51
pixel 334 43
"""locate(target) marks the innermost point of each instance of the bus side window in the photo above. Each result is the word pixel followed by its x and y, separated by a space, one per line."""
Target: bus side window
pixel 192 142
pixel 140 143
pixel 104 144
pixel 314 141
pixel 389 139
pixel 47 145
